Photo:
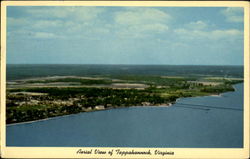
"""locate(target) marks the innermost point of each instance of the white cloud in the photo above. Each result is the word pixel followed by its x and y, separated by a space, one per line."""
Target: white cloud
pixel 229 33
pixel 139 31
pixel 131 22
pixel 47 24
pixel 31 34
pixel 16 21
pixel 44 35
pixel 233 14
pixel 141 22
pixel 187 34
pixel 200 30
pixel 75 13
pixel 153 27
pixel 63 21
pixel 140 16
pixel 212 35
pixel 197 25
pixel 87 22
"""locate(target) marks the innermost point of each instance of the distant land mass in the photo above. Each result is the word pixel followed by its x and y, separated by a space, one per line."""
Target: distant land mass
pixel 22 71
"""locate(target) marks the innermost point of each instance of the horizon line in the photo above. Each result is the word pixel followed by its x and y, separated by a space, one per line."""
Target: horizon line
pixel 123 64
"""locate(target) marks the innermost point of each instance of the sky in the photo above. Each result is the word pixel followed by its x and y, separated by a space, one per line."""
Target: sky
pixel 125 35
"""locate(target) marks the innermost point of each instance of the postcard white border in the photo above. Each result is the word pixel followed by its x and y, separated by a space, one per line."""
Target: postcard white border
pixel 69 152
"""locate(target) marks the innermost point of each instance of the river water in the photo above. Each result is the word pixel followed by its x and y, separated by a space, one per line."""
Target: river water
pixel 182 126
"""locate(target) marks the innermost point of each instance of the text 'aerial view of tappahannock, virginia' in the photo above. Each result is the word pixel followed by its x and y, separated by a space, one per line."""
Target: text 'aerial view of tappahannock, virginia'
pixel 113 76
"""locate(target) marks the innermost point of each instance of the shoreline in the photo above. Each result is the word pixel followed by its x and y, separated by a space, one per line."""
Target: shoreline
pixel 122 107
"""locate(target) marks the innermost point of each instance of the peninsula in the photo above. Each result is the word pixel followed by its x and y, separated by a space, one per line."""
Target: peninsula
pixel 40 98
